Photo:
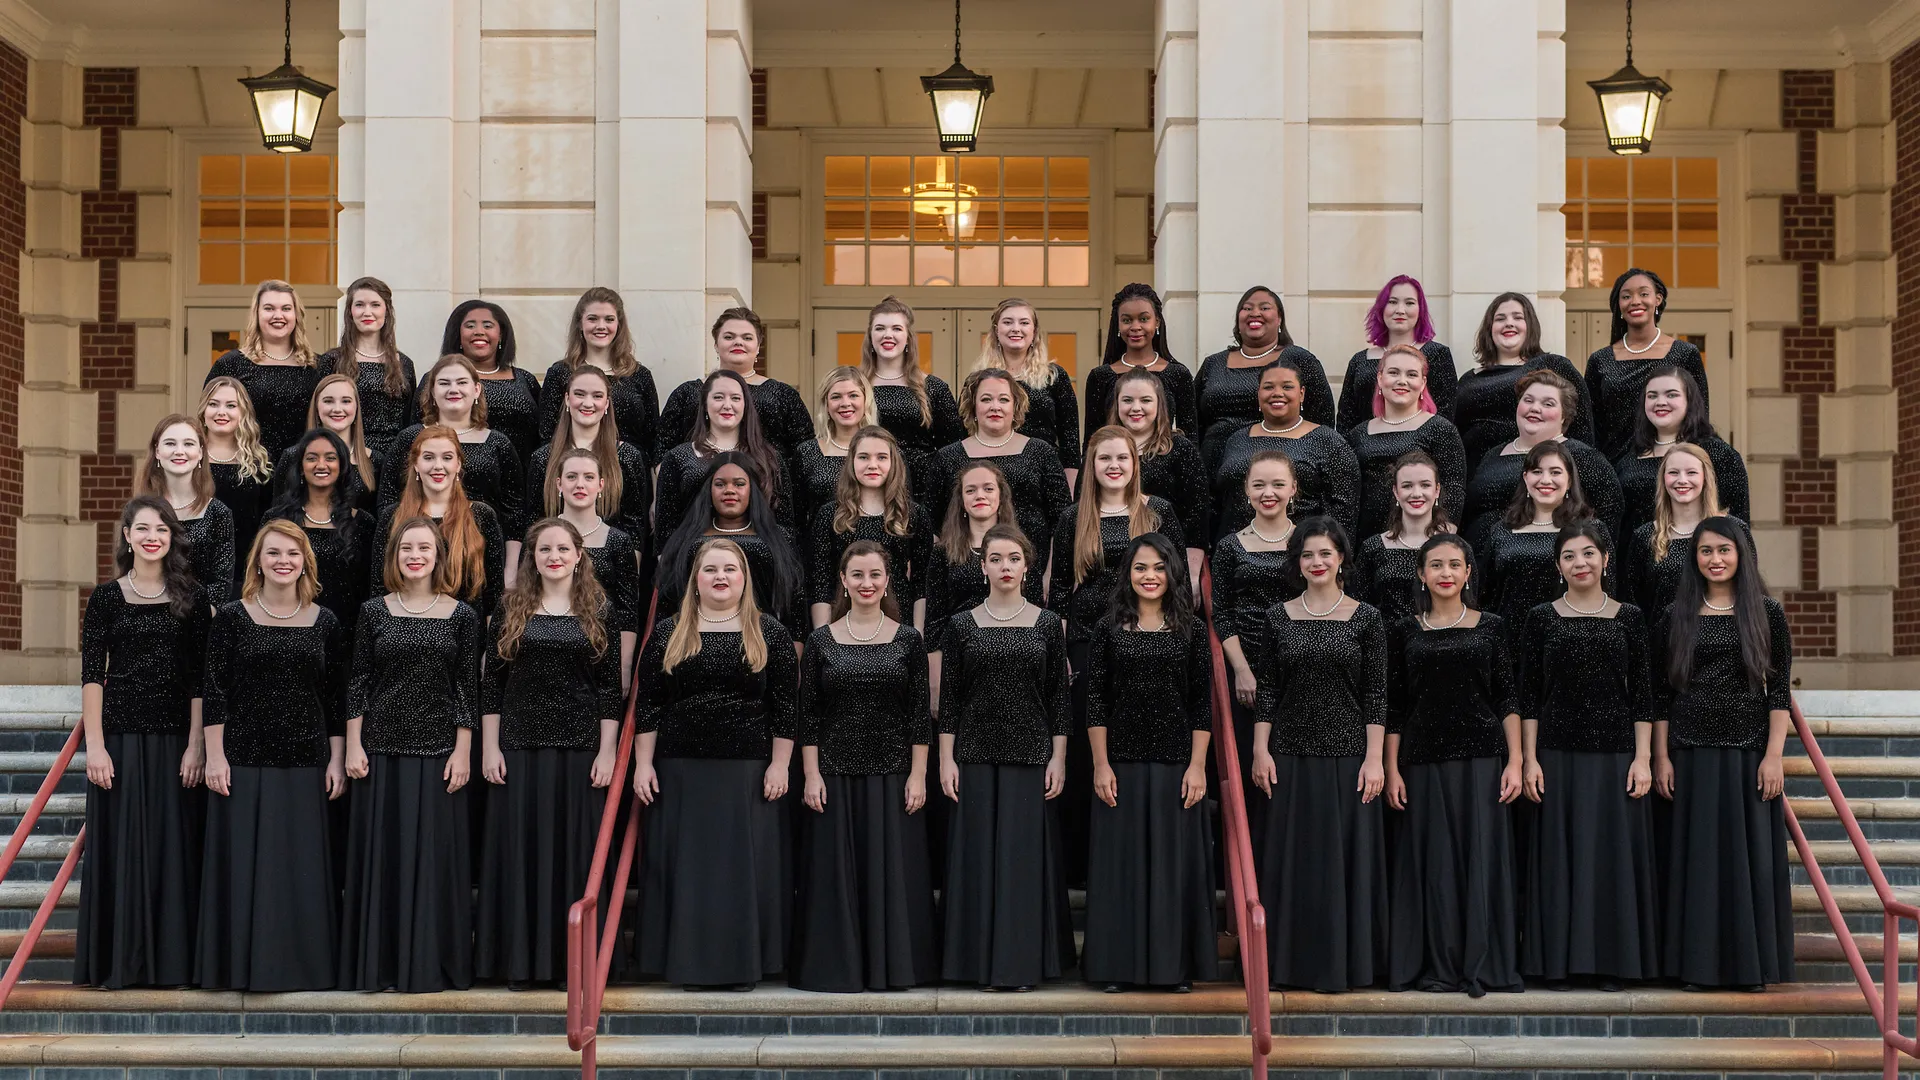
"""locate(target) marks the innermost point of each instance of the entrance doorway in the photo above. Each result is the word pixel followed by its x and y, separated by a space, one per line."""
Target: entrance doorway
pixel 1709 331
pixel 950 339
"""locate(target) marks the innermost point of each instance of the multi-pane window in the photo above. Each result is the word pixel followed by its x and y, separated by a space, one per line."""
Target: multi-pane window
pixel 1661 214
pixel 267 216
pixel 928 221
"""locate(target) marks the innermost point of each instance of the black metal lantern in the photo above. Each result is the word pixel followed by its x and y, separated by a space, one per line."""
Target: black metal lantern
pixel 1630 103
pixel 286 102
pixel 959 97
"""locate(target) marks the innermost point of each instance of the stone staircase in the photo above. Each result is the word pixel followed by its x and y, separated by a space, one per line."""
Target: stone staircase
pixel 1817 1027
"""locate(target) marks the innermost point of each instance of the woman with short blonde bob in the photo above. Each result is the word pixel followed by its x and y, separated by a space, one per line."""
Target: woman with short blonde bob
pixel 1015 342
pixel 476 548
pixel 872 503
pixel 715 718
pixel 175 469
pixel 598 337
pixel 274 363
pixel 845 404
pixel 917 407
pixel 242 470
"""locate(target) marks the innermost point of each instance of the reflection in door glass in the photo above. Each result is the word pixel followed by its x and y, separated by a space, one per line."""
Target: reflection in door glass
pixel 220 343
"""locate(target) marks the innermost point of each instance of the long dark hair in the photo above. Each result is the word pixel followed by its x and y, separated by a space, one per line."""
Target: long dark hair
pixel 1115 348
pixel 1315 526
pixel 677 554
pixel 450 338
pixel 176 567
pixel 1285 340
pixel 393 375
pixel 1695 427
pixel 1571 509
pixel 1424 599
pixel 1176 607
pixel 1618 330
pixel 956 533
pixel 762 461
pixel 290 502
pixel 1749 609
pixel 843 600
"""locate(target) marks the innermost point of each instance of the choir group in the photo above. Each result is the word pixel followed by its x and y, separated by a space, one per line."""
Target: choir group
pixel 1509 692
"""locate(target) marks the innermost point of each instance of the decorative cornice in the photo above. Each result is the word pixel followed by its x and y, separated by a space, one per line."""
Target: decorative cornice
pixel 26 29
pixel 1890 32
pixel 934 48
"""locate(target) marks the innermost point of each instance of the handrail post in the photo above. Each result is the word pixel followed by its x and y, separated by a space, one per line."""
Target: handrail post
pixel 21 832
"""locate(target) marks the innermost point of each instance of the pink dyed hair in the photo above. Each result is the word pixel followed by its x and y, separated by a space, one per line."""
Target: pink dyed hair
pixel 1379 396
pixel 1376 319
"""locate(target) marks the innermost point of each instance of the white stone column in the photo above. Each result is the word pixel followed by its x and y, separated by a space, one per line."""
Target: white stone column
pixel 1176 181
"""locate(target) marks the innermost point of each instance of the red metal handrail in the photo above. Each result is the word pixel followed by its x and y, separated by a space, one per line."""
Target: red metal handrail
pixel 24 951
pixel 1243 884
pixel 589 944
pixel 1883 1001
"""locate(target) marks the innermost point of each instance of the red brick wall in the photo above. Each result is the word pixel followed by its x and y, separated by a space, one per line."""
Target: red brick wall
pixel 1809 486
pixel 107 232
pixel 1906 347
pixel 13 345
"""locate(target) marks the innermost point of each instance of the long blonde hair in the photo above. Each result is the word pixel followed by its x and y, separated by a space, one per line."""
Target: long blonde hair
pixel 151 479
pixel 356 437
pixel 1663 502
pixel 307 588
pixel 898 514
pixel 1088 553
pixel 466 547
pixel 1037 369
pixel 909 360
pixel 586 596
pixel 605 448
pixel 253 345
pixel 823 419
pixel 249 452
pixel 685 639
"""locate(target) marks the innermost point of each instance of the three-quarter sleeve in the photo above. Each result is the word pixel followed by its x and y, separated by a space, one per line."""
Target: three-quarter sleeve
pixel 1373 666
pixel 96 627
pixel 495 672
pixel 1097 675
pixel 676 418
pixel 1639 691
pixel 1066 411
pixel 1356 390
pixel 1343 485
pixel 1659 644
pixel 918 544
pixel 1192 494
pixel 193 655
pixel 812 701
pixel 782 677
pixel 1399 702
pixel 1318 406
pixel 1170 525
pixel 466 675
pixel 953 668
pixel 669 496
pixel 636 492
pixel 1780 651
pixel 339 664
pixel 219 681
pixel 519 508
pixel 919 714
pixel 494 559
pixel 1441 440
pixel 220 554
pixel 650 680
pixel 1055 496
pixel 360 679
pixel 1270 676
pixel 1200 678
pixel 1533 657
pixel 606 671
pixel 947 425
pixel 1059 715
pixel 1500 689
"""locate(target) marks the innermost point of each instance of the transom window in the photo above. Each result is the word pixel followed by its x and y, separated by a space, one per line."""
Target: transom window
pixel 267 216
pixel 931 221
pixel 1662 214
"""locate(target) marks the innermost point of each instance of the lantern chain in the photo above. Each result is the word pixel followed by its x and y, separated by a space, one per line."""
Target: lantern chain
pixel 1629 31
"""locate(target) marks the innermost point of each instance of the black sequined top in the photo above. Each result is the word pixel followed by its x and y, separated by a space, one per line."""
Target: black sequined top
pixel 382 415
pixel 636 405
pixel 1034 479
pixel 1640 480
pixel 1449 691
pixel 1177 380
pixel 217 565
pixel 899 413
pixel 865 706
pixel 712 705
pixel 1053 416
pixel 490 472
pixel 247 500
pixel 1363 374
pixel 784 419
pixel 280 394
pixel 1228 398
pixel 1322 683
pixel 678 485
pixel 513 409
pixel 1376 452
pixel 1084 603
pixel 1488 397
pixel 494 558
pixel 636 492
pixel 952 587
pixel 1323 462
pixel 554 692
pixel 343 558
pixel 149 664
pixel 1718 707
pixel 907 556
pixel 792 614
pixel 615 565
pixel 1003 690
pixel 816 479
pixel 1178 477
pixel 1651 583
pixel 1150 691
pixel 1585 679
pixel 1386 577
pixel 1518 570
pixel 1245 584
pixel 276 691
pixel 415 680
pixel 286 468
pixel 1492 485
pixel 1617 385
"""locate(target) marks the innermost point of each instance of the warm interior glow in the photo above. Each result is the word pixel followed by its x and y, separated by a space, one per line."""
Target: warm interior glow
pixel 958 111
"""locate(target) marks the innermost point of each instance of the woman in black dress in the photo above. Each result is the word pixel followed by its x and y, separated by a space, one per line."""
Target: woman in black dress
pixel 1587 734
pixel 1250 575
pixel 336 409
pixel 1617 374
pixel 1507 348
pixel 1723 660
pixel 1660 552
pixel 865 916
pixel 175 469
pixel 411 708
pixel 1386 570
pixel 480 331
pixel 242 471
pixel 1520 555
pixel 845 403
pixel 1398 317
pixel 1226 392
pixel 598 337
pixel 872 502
pixel 1137 344
pixel 275 365
pixel 587 422
pixel 276 675
pixel 1674 414
pixel 1328 474
pixel 993 405
pixel 1403 422
pixel 615 554
pixel 735 507
pixel 318 497
pixel 954 579
pixel 476 548
pixel 1149 677
pixel 918 408
pixel 1319 740
pixel 370 356
pixel 1546 401
pixel 1003 746
pixel 1169 461
pixel 1453 765
pixel 492 472
pixel 739 347
pixel 550 714
pixel 715 723
pixel 143 645
pixel 1016 343
pixel 728 423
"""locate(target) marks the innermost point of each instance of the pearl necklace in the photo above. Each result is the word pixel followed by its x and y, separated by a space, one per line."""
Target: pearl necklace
pixel 997 617
pixel 1254 526
pixel 1424 621
pixel 223 461
pixel 855 634
pixel 994 445
pixel 1142 628
pixel 844 448
pixel 1666 442
pixel 1245 355
pixel 401 599
pixel 1581 611
pixel 135 588
pixel 1716 607
pixel 1403 420
pixel 1320 614
pixel 1281 431
pixel 734 614
pixel 1139 367
pixel 723 529
pixel 177 507
pixel 297 608
pixel 494 370
pixel 588 534
pixel 1625 345
pixel 328 520
pixel 276 359
pixel 545 610
pixel 363 354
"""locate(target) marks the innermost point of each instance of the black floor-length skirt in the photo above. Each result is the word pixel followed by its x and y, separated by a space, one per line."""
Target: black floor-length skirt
pixel 1590 902
pixel 1006 899
pixel 714 894
pixel 1072 807
pixel 269 911
pixel 1150 905
pixel 542 825
pixel 1323 877
pixel 140 873
pixel 407 919
pixel 865 916
pixel 1453 922
pixel 1729 914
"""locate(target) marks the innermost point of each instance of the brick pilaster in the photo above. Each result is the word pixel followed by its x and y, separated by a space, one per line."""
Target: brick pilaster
pixel 108 230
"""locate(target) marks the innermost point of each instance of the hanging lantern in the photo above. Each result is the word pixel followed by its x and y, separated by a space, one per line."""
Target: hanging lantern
pixel 1630 103
pixel 959 97
pixel 286 102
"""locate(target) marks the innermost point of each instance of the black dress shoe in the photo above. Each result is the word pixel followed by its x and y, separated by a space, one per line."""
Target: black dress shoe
pixel 1183 988
pixel 1111 988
